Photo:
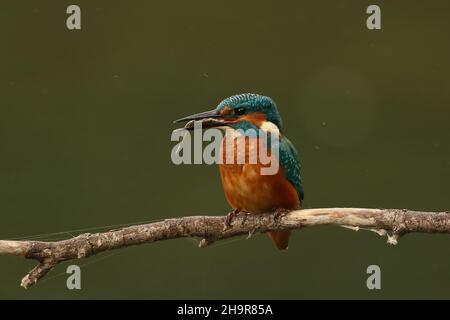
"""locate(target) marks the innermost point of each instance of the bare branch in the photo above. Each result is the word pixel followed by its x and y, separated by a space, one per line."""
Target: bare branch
pixel 211 229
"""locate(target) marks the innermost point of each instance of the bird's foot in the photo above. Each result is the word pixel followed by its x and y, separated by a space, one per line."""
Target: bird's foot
pixel 229 218
pixel 279 213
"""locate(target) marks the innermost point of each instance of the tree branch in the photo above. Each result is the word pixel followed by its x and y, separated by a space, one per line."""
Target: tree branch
pixel 391 222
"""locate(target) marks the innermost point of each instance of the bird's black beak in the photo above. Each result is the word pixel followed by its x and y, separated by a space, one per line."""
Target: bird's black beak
pixel 199 116
pixel 208 119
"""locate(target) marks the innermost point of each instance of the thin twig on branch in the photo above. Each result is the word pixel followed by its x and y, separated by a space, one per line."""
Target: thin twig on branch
pixel 391 222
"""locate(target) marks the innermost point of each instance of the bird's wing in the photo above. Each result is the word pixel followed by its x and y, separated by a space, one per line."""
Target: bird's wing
pixel 291 165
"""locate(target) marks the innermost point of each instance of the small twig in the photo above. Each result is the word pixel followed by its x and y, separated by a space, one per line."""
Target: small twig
pixel 210 229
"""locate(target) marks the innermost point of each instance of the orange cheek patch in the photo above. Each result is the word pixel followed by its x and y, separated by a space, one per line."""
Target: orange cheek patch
pixel 226 110
pixel 256 118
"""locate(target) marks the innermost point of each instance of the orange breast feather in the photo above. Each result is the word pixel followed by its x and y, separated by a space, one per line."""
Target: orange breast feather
pixel 247 189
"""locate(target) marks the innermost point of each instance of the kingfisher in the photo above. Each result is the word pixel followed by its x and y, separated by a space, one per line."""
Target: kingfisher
pixel 246 188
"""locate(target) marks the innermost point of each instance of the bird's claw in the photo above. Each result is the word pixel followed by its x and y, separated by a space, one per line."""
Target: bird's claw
pixel 229 218
pixel 279 213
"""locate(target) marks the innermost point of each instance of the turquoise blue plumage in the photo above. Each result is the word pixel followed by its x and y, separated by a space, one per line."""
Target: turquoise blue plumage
pixel 246 188
pixel 291 165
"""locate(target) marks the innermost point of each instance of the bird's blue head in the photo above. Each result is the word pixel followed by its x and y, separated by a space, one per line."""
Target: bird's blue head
pixel 241 111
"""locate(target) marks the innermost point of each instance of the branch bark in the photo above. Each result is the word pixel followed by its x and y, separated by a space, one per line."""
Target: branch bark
pixel 391 222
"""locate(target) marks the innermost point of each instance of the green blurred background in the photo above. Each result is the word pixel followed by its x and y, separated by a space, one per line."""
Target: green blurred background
pixel 86 117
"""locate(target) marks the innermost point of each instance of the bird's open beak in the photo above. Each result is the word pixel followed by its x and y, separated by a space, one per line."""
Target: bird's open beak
pixel 209 119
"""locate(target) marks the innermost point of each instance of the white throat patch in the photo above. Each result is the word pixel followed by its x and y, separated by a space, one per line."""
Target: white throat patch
pixel 268 126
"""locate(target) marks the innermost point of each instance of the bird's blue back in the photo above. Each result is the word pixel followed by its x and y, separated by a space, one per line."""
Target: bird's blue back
pixel 290 163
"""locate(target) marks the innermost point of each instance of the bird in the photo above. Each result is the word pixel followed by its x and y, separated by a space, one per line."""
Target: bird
pixel 245 187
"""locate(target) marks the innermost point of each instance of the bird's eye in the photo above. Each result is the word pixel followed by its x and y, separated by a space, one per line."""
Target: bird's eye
pixel 239 111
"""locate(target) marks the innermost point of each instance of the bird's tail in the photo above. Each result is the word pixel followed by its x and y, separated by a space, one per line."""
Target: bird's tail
pixel 280 238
